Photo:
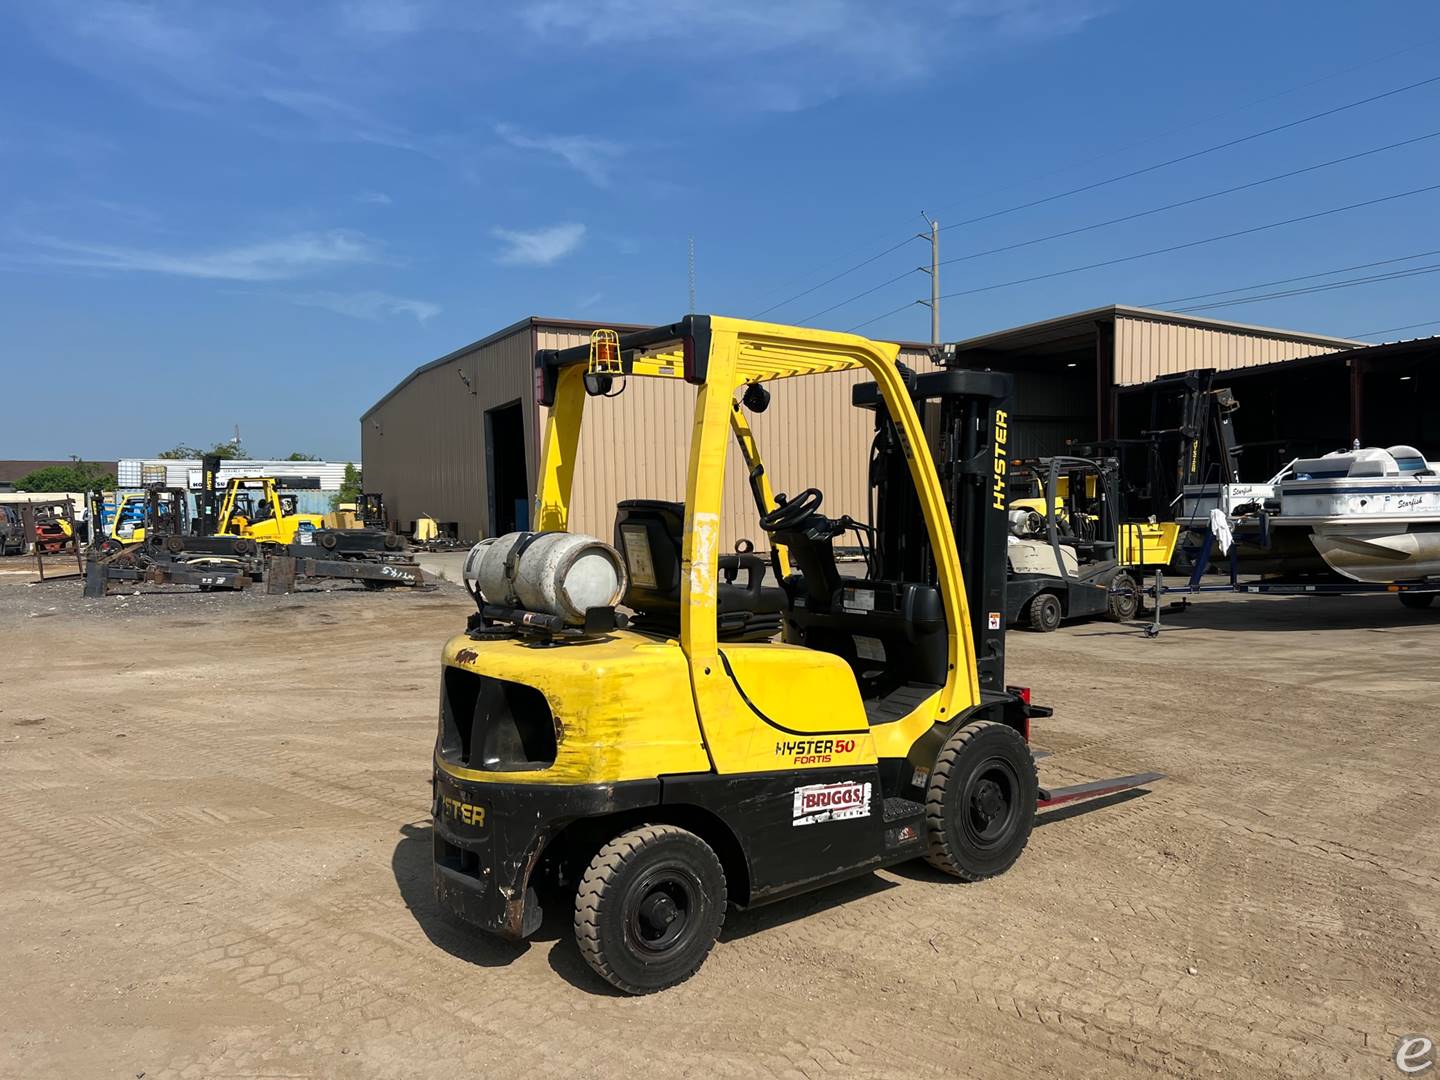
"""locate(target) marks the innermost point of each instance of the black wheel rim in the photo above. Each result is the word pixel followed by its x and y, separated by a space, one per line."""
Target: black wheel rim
pixel 991 805
pixel 660 913
pixel 1049 611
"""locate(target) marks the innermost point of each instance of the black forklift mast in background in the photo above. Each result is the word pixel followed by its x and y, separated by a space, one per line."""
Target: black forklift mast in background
pixel 1182 435
pixel 207 498
pixel 966 416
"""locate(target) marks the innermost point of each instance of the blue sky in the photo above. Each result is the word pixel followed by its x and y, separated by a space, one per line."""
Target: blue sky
pixel 218 214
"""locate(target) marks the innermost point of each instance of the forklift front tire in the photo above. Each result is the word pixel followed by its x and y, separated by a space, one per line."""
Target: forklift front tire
pixel 980 806
pixel 1043 613
pixel 650 907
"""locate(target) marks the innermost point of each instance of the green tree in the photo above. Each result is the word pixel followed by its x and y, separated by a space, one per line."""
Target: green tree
pixel 349 488
pixel 77 476
pixel 296 455
pixel 227 450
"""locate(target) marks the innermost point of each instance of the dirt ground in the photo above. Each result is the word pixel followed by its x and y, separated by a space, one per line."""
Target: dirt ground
pixel 215 862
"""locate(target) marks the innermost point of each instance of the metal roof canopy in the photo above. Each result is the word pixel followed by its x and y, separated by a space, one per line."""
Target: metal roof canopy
pixel 1396 352
pixel 1077 332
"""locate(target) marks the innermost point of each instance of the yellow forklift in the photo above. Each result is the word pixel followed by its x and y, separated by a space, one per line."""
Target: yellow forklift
pixel 622 733
pixel 254 507
pixel 155 511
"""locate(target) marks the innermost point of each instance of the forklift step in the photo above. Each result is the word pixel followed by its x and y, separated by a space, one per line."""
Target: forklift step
pixel 1094 789
pixel 897 809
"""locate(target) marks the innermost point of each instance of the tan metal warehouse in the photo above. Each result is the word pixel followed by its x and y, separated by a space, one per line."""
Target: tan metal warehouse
pixel 458 438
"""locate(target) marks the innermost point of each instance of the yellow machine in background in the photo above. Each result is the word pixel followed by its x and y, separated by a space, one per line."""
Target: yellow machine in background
pixel 253 507
pixel 1069 555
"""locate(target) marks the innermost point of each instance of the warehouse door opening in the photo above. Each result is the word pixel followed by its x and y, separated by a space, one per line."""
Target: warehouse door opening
pixel 505 471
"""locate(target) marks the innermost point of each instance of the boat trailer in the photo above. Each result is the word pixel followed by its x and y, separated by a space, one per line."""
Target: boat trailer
pixel 1418 594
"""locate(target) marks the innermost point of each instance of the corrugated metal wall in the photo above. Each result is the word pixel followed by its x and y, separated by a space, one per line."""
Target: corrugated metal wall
pixel 423 448
pixel 1146 348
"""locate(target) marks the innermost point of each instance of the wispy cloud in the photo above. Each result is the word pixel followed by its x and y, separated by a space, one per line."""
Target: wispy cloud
pixel 538 247
pixel 592 157
pixel 331 118
pixel 384 18
pixel 369 305
pixel 784 56
pixel 269 260
pixel 279 73
pixel 374 198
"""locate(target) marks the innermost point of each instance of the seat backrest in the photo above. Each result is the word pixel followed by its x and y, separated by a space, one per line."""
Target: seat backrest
pixel 649 534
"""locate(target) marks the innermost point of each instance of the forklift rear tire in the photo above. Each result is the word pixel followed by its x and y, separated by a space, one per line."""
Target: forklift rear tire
pixel 649 908
pixel 980 806
pixel 1043 613
pixel 1123 603
pixel 1417 601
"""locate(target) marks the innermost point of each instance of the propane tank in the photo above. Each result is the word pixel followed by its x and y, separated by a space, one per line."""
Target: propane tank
pixel 1025 523
pixel 555 573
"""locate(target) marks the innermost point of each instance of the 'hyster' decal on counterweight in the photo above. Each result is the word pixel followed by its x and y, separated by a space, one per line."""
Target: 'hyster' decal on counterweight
pixel 830 802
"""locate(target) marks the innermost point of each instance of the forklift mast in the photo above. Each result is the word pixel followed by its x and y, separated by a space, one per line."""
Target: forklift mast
pixel 1184 415
pixel 207 499
pixel 966 416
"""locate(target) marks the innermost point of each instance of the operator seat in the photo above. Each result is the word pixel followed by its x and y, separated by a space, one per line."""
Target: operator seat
pixel 891 633
pixel 649 534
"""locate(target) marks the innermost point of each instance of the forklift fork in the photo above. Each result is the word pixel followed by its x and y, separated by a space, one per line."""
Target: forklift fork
pixel 1048 796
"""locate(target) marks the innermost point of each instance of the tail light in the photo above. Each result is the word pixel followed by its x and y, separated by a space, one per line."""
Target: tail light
pixel 1022 692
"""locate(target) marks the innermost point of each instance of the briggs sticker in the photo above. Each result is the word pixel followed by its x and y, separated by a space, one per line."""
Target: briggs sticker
pixel 830 802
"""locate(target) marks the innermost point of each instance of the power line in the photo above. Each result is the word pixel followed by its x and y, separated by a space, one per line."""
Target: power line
pixel 1227 112
pixel 1130 146
pixel 837 277
pixel 1195 154
pixel 1191 201
pixel 1158 209
pixel 1288 281
pixel 1177 247
pixel 857 296
pixel 1394 275
pixel 1134 216
pixel 1394 329
pixel 1195 243
pixel 1370 279
pixel 877 318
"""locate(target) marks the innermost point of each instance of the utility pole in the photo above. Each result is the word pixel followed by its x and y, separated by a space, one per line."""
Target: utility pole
pixel 934 271
pixel 692 275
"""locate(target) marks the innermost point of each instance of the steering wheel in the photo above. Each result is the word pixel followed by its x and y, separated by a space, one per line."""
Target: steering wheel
pixel 792 512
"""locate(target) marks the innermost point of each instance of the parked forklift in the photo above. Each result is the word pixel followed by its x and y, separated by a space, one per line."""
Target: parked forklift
pixel 254 507
pixel 252 514
pixel 648 767
pixel 1070 554
pixel 156 511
